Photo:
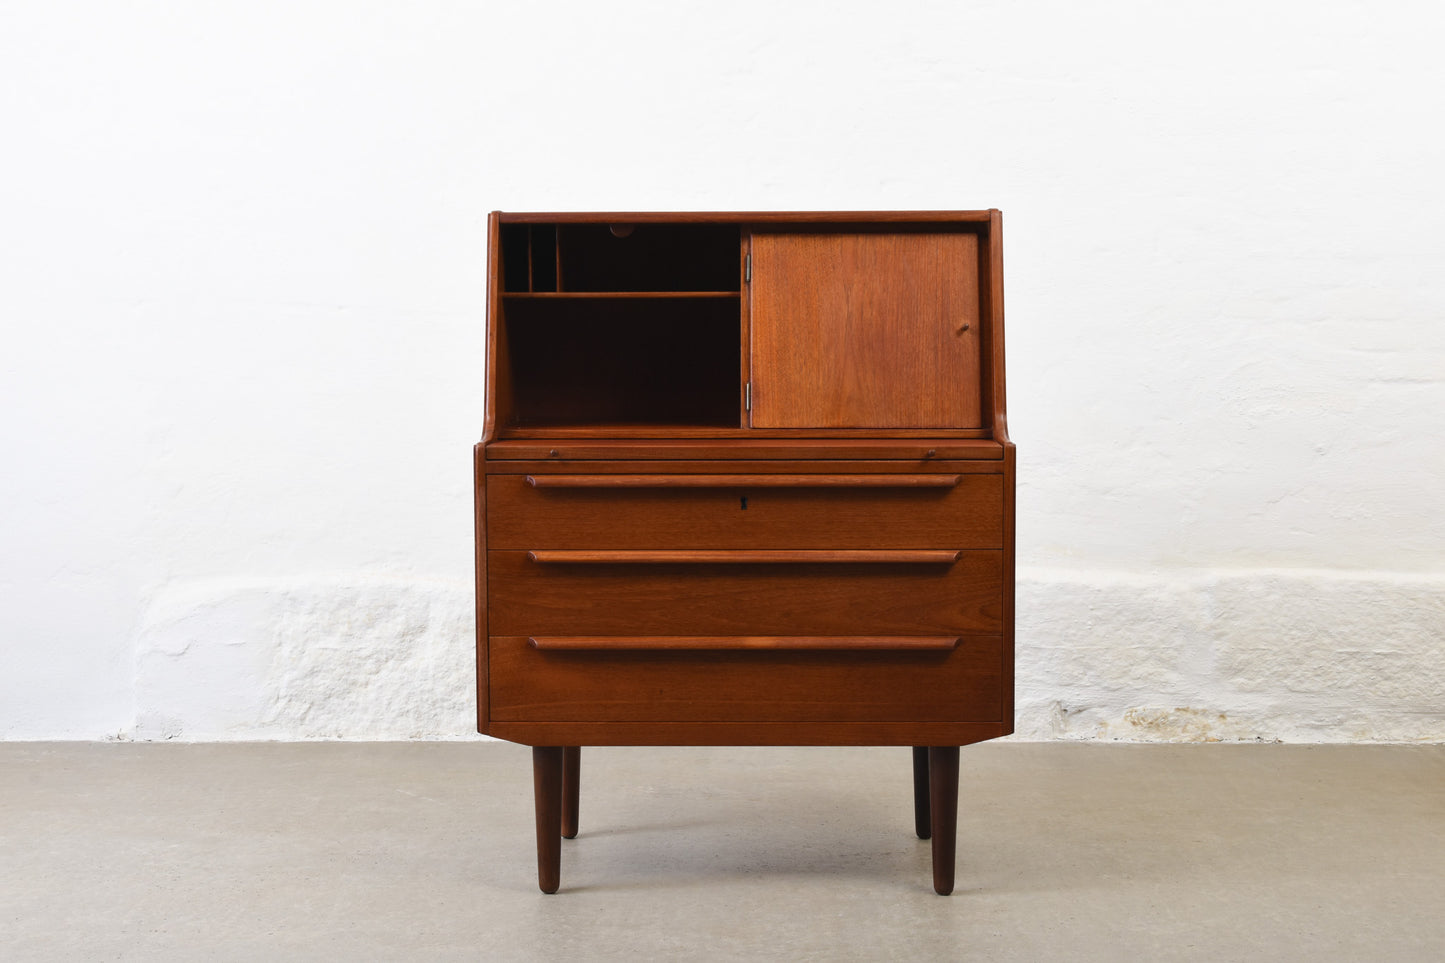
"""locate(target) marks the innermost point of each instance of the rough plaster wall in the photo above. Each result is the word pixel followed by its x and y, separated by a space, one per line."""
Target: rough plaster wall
pixel 1298 656
pixel 241 279
pixel 1295 656
pixel 319 658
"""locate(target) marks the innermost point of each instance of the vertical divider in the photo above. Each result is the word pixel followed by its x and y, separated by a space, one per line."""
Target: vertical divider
pixel 745 246
pixel 986 373
pixel 542 268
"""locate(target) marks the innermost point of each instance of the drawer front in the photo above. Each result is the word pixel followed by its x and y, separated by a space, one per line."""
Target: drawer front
pixel 937 510
pixel 752 598
pixel 959 682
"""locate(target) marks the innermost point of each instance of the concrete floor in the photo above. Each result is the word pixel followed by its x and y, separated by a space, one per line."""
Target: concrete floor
pixel 425 851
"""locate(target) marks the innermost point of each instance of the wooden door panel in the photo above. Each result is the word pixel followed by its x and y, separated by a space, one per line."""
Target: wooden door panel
pixel 868 330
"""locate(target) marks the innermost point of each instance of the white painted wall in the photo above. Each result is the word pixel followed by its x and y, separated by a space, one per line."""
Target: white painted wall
pixel 241 284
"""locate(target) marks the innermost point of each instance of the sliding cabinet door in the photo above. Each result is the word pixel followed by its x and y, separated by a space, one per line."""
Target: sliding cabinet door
pixel 865 330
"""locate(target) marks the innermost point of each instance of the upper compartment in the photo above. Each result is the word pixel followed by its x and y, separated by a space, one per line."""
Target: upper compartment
pixel 746 326
pixel 620 257
pixel 618 326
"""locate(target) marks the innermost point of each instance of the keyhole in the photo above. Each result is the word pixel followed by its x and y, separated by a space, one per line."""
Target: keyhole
pixel 745 503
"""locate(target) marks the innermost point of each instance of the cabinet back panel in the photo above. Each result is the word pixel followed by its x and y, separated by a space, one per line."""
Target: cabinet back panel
pixel 516 258
pixel 649 257
pixel 865 330
pixel 620 361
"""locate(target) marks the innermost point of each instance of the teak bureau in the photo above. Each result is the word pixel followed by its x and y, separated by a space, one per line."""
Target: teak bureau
pixel 745 480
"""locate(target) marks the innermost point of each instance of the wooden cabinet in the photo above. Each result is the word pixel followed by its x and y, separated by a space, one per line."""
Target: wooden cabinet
pixel 745 480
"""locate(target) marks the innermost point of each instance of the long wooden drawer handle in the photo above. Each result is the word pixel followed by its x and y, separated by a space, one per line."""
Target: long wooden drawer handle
pixel 744 481
pixel 733 643
pixel 725 557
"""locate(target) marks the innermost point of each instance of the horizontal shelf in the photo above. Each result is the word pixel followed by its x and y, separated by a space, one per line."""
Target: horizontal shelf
pixel 888 480
pixel 734 643
pixel 613 429
pixel 730 557
pixel 609 431
pixel 629 295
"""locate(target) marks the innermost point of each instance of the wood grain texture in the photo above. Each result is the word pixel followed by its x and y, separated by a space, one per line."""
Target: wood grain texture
pixel 865 330
pixel 743 733
pixel 964 515
pixel 571 789
pixel 547 801
pixel 745 326
pixel 656 564
pixel 575 444
pixel 959 684
pixel 740 465
pixel 889 480
pixel 995 383
pixel 922 821
pixel 662 430
pixel 495 400
pixel 479 520
pixel 747 643
pixel 745 557
pixel 999 406
pixel 943 813
pixel 1010 574
pixel 528 599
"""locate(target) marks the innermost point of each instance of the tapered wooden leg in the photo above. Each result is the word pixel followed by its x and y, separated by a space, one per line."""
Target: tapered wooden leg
pixel 920 793
pixel 571 769
pixel 943 803
pixel 547 788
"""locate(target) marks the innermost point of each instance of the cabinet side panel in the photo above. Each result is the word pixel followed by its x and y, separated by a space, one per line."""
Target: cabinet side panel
pixel 494 253
pixel 479 486
pixel 866 330
pixel 1009 574
pixel 994 327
